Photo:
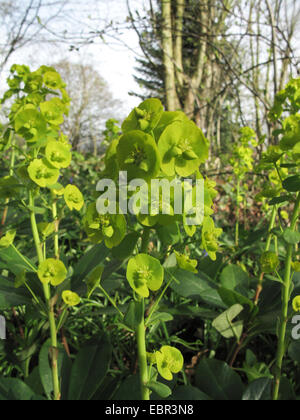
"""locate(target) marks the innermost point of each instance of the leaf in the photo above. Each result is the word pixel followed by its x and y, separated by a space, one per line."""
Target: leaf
pixel 14 262
pixel 189 393
pixel 160 389
pixel 224 325
pixel 196 287
pixel 230 298
pixel 259 390
pixel 12 389
pixel 89 370
pixel 133 315
pixel 292 184
pixel 45 369
pixel 126 247
pixel 129 390
pixel 9 296
pixel 93 258
pixel 233 276
pixel 291 237
pixel 219 381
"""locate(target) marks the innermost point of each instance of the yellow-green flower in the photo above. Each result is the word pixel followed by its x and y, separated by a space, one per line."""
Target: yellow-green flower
pixel 210 235
pixel 169 360
pixel 70 298
pixel 52 271
pixel 58 154
pixel 73 197
pixel 42 173
pixel 7 240
pixel 296 304
pixel 185 263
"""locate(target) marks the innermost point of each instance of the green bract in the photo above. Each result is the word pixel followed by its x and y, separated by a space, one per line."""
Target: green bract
pixel 58 154
pixel 145 117
pixel 145 273
pixel 42 173
pixel 183 148
pixel 52 79
pixel 185 263
pixel 73 197
pixel 137 154
pixel 7 240
pixel 30 124
pixel 269 262
pixel 169 360
pixel 110 228
pixel 52 271
pixel 53 111
pixel 70 298
pixel 210 235
pixel 296 304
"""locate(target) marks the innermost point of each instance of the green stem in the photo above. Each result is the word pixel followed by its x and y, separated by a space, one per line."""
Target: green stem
pixel 145 241
pixel 142 356
pixel 56 224
pixel 237 223
pixel 267 248
pixel 111 300
pixel 286 290
pixel 154 307
pixel 50 306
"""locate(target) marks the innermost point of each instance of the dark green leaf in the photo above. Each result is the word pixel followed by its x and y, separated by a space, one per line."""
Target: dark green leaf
pixel 219 381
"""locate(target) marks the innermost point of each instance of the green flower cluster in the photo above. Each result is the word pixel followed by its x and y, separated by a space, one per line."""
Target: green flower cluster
pixel 155 144
pixel 36 116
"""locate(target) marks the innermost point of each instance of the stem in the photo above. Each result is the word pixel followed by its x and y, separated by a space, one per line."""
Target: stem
pixel 111 300
pixel 56 224
pixel 285 306
pixel 237 214
pixel 267 248
pixel 145 241
pixel 50 305
pixel 142 356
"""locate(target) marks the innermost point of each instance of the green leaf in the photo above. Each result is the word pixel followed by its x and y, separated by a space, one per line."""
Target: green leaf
pixel 233 276
pixel 189 393
pixel 126 247
pixel 89 370
pixel 45 369
pixel 134 315
pixel 93 280
pixel 160 389
pixel 91 259
pixel 292 184
pixel 14 262
pixel 10 296
pixel 291 237
pixel 219 381
pixel 12 389
pixel 197 287
pixel 259 390
pixel 230 298
pixel 224 325
pixel 170 234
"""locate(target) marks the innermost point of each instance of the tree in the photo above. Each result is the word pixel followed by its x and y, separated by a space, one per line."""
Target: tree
pixel 214 55
pixel 91 104
pixel 24 22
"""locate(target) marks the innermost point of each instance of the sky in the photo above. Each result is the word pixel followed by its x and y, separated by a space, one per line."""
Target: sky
pixel 114 59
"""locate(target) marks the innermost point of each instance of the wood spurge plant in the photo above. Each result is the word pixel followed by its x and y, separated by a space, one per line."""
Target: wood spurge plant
pixel 121 278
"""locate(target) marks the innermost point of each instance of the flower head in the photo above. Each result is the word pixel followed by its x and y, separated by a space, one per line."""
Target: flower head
pixel 73 197
pixel 145 273
pixel 169 360
pixel 269 262
pixel 70 298
pixel 52 271
pixel 42 173
pixel 296 304
pixel 58 154
pixel 145 117
pixel 137 154
pixel 185 263
pixel 210 235
pixel 182 148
